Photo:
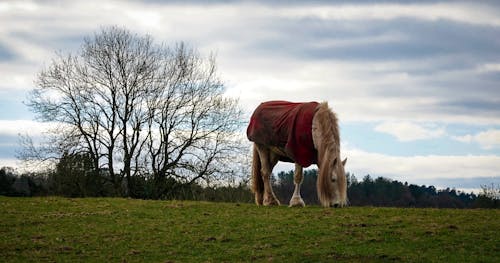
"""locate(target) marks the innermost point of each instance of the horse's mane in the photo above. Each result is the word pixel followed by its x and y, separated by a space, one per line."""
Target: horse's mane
pixel 329 128
pixel 326 122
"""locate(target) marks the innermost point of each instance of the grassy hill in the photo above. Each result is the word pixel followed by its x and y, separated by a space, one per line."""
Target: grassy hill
pixel 125 230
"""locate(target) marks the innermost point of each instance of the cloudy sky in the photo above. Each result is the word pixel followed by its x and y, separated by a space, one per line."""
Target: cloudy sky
pixel 416 85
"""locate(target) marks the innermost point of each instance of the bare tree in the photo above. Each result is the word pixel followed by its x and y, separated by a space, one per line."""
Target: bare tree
pixel 491 191
pixel 60 97
pixel 191 125
pixel 137 108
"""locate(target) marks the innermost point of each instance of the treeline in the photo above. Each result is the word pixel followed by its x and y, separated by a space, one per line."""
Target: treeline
pixel 386 192
pixel 366 192
pixel 75 183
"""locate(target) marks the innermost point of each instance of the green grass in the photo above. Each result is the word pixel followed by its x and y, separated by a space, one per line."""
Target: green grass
pixel 125 230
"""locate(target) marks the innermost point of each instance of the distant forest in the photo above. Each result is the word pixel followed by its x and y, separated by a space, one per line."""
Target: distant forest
pixel 390 193
pixel 366 192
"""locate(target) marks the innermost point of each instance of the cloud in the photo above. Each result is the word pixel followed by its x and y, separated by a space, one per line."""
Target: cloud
pixel 465 138
pixel 408 131
pixel 5 53
pixel 15 127
pixel 9 162
pixel 469 184
pixel 421 168
pixel 487 139
pixel 367 91
pixel 374 62
pixel 465 13
pixel 489 67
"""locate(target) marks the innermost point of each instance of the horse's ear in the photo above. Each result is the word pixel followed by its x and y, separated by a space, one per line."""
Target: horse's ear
pixel 344 161
pixel 335 161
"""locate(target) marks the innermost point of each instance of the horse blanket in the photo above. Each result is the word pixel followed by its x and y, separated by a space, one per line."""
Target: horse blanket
pixel 286 125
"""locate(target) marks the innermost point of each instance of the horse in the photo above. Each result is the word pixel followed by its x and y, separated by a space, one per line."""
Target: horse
pixel 300 133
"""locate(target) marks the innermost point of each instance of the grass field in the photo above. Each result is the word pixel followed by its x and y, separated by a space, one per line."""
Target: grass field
pixel 126 230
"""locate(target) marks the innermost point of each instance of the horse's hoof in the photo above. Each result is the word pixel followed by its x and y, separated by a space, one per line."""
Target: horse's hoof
pixel 258 199
pixel 297 202
pixel 271 202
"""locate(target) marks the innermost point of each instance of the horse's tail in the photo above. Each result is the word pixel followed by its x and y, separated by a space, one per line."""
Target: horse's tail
pixel 257 181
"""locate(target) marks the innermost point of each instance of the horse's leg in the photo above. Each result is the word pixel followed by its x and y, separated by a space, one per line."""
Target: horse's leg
pixel 297 180
pixel 257 182
pixel 268 161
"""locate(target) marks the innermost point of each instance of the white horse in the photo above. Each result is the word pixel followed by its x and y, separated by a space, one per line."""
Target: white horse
pixel 302 133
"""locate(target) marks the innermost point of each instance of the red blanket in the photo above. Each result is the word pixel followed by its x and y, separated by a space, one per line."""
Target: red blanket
pixel 286 125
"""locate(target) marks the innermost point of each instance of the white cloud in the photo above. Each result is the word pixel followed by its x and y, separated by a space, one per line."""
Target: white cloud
pixel 488 67
pixel 15 127
pixel 421 167
pixel 14 163
pixel 465 139
pixel 487 139
pixel 20 77
pixel 409 131
pixel 19 6
pixel 474 14
pixel 360 90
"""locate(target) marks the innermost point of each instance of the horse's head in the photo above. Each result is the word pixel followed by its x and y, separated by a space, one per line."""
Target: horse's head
pixel 332 183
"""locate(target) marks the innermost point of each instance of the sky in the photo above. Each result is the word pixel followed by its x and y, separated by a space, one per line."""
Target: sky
pixel 415 84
